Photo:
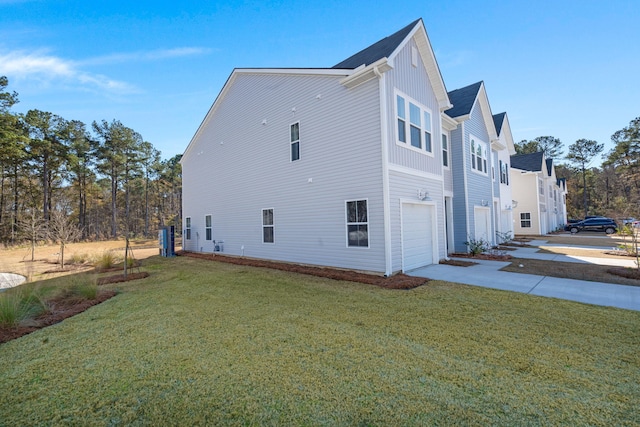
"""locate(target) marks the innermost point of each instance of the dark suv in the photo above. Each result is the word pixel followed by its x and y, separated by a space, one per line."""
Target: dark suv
pixel 607 225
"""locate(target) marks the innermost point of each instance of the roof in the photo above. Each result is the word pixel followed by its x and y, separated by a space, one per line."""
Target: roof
pixel 463 100
pixel 528 162
pixel 497 121
pixel 549 166
pixel 381 49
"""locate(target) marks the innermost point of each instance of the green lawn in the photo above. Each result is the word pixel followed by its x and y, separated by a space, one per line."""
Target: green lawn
pixel 204 343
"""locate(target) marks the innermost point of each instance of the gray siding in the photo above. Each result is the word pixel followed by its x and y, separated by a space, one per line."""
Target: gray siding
pixel 403 188
pixel 414 82
pixel 237 166
pixel 459 172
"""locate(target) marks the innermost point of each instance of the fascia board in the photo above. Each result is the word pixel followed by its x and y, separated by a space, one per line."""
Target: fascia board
pixel 363 74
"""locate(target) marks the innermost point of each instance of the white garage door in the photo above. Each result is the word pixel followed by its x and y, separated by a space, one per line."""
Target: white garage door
pixel 417 235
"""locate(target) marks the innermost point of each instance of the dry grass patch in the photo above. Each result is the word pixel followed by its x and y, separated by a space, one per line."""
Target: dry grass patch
pixel 568 270
pixel 593 253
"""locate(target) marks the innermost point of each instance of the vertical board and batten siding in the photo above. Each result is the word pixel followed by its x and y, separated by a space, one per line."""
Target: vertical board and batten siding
pixel 478 186
pixel 238 166
pixel 414 82
pixel 459 168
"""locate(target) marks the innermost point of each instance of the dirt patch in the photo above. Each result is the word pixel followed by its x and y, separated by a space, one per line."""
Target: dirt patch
pixel 629 273
pixel 458 263
pixel 120 278
pixel 397 281
pixel 59 309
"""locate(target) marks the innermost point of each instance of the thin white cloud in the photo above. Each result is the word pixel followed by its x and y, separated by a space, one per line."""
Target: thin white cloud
pixel 47 68
pixel 152 55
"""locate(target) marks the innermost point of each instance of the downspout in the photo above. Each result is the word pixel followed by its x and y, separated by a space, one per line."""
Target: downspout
pixel 386 203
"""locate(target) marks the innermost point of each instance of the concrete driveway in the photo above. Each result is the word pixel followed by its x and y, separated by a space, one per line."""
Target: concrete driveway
pixel 487 274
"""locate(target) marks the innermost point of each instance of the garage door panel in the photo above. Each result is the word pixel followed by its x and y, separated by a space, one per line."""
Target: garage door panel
pixel 417 236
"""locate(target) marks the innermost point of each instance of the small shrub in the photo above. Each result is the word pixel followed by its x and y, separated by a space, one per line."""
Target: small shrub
pixel 106 260
pixel 477 246
pixel 18 305
pixel 78 258
pixel 83 286
pixel 504 236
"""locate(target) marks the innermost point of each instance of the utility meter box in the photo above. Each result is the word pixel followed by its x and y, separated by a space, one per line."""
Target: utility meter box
pixel 166 241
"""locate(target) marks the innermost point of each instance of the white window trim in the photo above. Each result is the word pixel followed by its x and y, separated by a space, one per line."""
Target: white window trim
pixel 446 152
pixel 407 124
pixel 292 142
pixel 347 223
pixel 208 228
pixel 485 158
pixel 273 225
pixel 187 227
pixel 526 220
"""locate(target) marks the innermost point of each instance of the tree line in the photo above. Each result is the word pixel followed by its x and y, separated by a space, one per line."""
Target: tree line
pixel 613 189
pixel 105 179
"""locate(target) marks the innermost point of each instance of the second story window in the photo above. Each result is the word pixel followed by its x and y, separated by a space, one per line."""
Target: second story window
pixel 478 156
pixel 295 141
pixel 445 151
pixel 416 129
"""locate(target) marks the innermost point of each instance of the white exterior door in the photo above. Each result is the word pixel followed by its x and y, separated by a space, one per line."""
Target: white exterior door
pixel 417 235
pixel 482 224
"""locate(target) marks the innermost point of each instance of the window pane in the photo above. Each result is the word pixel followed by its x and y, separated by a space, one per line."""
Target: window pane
pixel 402 131
pixel 207 221
pixel 400 101
pixel 188 221
pixel 188 234
pixel 414 114
pixel 267 234
pixel 295 151
pixel 444 142
pixel 295 132
pixel 267 217
pixel 362 211
pixel 427 141
pixel 351 212
pixel 427 121
pixel 208 234
pixel 416 141
pixel 358 235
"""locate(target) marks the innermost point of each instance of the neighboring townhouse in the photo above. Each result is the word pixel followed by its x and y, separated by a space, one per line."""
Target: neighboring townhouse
pixel 503 200
pixel 351 166
pixel 477 206
pixel 540 198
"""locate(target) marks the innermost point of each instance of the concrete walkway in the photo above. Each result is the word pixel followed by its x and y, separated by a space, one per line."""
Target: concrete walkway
pixel 487 274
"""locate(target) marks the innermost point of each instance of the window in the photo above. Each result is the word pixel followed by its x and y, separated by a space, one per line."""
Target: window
pixel 402 126
pixel 427 131
pixel 419 124
pixel 525 220
pixel 187 228
pixel 414 127
pixel 267 226
pixel 295 141
pixel 357 224
pixel 207 227
pixel 504 173
pixel 540 186
pixel 445 151
pixel 478 156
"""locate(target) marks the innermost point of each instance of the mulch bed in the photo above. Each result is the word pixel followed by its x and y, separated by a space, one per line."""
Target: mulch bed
pixel 629 273
pixel 397 281
pixel 60 309
pixel 489 257
pixel 119 278
pixel 458 263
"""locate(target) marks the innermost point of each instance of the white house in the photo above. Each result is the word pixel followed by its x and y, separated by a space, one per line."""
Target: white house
pixel 539 197
pixel 342 167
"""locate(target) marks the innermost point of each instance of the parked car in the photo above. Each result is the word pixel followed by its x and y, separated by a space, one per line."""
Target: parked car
pixel 607 225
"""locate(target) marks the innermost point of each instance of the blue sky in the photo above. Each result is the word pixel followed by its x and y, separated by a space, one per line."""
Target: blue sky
pixel 564 68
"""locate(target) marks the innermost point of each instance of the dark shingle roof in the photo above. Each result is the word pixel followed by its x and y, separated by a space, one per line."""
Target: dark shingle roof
pixel 549 166
pixel 528 162
pixel 381 49
pixel 498 119
pixel 463 99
